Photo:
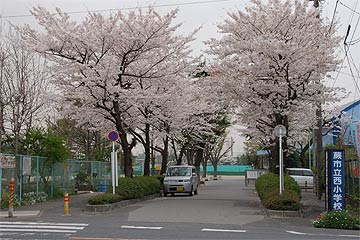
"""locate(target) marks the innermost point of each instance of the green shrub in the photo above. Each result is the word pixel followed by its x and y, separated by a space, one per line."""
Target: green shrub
pixel 336 219
pixel 130 188
pixel 269 182
pixel 291 184
pixel 288 200
pixel 31 198
pixel 105 198
pixel 161 179
pixel 266 183
pixel 267 187
pixel 138 187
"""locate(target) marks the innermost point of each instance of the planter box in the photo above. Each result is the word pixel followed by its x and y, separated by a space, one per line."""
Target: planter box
pixel 112 206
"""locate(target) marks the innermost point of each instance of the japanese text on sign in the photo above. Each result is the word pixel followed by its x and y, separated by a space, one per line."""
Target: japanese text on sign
pixel 337 193
pixel 7 161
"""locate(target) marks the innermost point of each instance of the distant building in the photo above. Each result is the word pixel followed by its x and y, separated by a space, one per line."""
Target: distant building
pixel 344 124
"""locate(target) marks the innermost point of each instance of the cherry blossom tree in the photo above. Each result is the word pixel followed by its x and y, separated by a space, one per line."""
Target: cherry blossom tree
pixel 113 71
pixel 269 64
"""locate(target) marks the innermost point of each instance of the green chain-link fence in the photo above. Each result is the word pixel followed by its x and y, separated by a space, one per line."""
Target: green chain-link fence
pixel 37 174
pixel 352 181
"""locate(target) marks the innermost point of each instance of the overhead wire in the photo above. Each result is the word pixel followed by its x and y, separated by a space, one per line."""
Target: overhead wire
pixel 353 10
pixel 347 45
pixel 125 8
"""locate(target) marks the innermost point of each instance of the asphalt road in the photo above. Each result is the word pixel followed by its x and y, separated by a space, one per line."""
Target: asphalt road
pixel 224 209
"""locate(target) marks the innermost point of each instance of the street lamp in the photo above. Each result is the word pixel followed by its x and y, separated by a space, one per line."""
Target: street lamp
pixel 280 131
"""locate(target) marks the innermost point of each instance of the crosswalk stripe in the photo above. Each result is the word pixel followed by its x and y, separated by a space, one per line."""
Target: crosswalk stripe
pixel 45 227
pixel 47 223
pixel 36 230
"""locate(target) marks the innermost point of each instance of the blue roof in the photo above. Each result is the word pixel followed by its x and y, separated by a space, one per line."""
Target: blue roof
pixel 262 152
pixel 351 105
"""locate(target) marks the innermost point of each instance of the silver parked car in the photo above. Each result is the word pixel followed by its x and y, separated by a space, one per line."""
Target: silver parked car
pixel 181 179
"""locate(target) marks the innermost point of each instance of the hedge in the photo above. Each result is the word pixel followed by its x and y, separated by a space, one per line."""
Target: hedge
pixel 288 200
pixel 267 187
pixel 129 188
pixel 105 198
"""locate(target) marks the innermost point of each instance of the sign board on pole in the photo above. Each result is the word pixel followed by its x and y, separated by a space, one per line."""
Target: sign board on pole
pixel 113 136
pixel 7 161
pixel 335 159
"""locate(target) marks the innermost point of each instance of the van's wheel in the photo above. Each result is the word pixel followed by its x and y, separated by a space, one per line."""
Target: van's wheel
pixel 172 194
pixel 191 191
pixel 165 194
pixel 195 192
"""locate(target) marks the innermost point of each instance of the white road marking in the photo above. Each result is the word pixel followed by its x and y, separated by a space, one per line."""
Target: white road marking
pixel 47 223
pixel 44 227
pixel 36 230
pixel 357 236
pixel 297 233
pixel 140 227
pixel 222 230
pixel 320 234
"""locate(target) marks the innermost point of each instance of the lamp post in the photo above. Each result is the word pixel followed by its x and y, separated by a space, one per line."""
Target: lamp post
pixel 280 131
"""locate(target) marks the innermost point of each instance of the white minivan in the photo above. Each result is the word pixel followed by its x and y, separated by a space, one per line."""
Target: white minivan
pixel 303 176
pixel 181 179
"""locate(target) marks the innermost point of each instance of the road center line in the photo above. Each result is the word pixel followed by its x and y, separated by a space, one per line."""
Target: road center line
pixel 140 227
pixel 222 230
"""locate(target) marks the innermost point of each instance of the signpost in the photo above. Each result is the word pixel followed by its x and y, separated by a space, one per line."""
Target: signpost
pixel 280 131
pixel 113 136
pixel 335 184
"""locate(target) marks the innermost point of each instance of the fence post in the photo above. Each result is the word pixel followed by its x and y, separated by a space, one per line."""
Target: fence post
pixel 11 198
pixel 21 176
pixel 52 180
pixel 0 182
pixel 37 175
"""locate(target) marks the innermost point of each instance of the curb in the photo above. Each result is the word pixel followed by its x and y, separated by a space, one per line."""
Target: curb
pixel 283 213
pixel 4 214
pixel 112 206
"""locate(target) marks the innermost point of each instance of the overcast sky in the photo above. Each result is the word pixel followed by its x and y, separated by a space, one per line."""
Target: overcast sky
pixel 206 14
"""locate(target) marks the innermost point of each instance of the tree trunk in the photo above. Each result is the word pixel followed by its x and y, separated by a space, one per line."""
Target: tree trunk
pixel 204 164
pixel 199 157
pixel 126 153
pixel 274 160
pixel 179 160
pixel 215 165
pixel 147 150
pixel 165 156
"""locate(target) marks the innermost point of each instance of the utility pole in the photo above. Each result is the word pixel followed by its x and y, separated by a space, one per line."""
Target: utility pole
pixel 318 138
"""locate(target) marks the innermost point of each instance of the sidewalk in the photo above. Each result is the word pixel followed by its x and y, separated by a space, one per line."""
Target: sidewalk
pixel 312 207
pixel 52 207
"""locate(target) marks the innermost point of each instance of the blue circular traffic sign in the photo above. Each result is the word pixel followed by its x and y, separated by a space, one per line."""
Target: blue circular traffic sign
pixel 113 136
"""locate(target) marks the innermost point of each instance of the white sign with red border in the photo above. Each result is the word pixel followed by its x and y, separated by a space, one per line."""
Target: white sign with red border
pixel 7 161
